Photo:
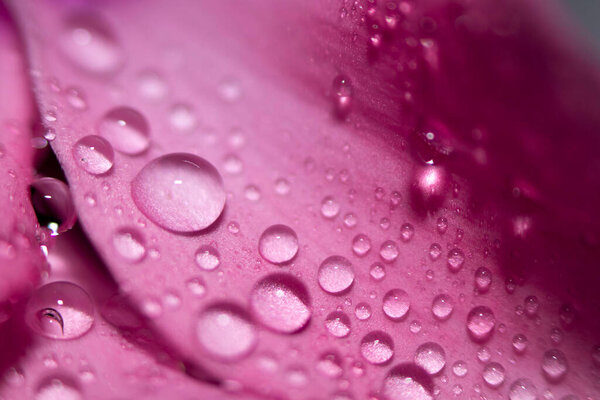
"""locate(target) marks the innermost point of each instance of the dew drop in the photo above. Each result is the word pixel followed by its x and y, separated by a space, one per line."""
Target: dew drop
pixel 338 324
pixel 60 310
pixel 493 374
pixel 278 244
pixel 55 388
pixel 281 303
pixel 407 231
pixel 51 200
pixel 377 347
pixel 94 154
pixel 182 117
pixel 532 306
pixel 389 251
pixel 361 245
pixel 522 389
pixel 483 279
pixel 152 86
pixel 282 186
pixel 377 271
pixel 336 274
pixel 480 323
pixel 519 343
pixel 554 365
pixel 207 258
pixel 456 259
pixel 130 245
pixel 459 368
pixel 396 304
pixel 126 129
pixel 442 225
pixel 180 192
pixel 330 364
pixel 362 311
pixel 225 332
pixel 252 193
pixel 442 307
pixel 89 43
pixel 196 287
pixel 403 383
pixel 431 357
pixel 435 251
pixel 330 208
pixel 342 96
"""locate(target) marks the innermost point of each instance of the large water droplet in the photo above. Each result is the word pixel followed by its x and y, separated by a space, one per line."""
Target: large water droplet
pixel 406 382
pixel 126 129
pixel 338 324
pixel 89 43
pixel 225 332
pixel 407 231
pixel 53 205
pixel 278 244
pixel 396 304
pixel 481 323
pixel 58 389
pixel 281 303
pixel 129 243
pixel 442 307
pixel 182 117
pixel 152 85
pixel 459 368
pixel 493 374
pixel 377 347
pixel 94 154
pixel 431 357
pixel 456 259
pixel 60 310
pixel 522 389
pixel 554 365
pixel 336 274
pixel 180 192
pixel 207 258
pixel 532 306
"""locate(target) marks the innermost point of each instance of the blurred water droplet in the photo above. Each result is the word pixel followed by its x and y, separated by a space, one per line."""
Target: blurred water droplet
pixel 278 244
pixel 377 271
pixel 230 90
pixel 377 347
pixel 554 365
pixel 350 220
pixel 130 245
pixel 58 389
pixel 361 245
pixel 342 96
pixel 180 192
pixel 252 193
pixel 94 154
pixel 76 99
pixel 403 383
pixel 338 324
pixel 232 164
pixel 481 323
pixel 51 200
pixel 182 117
pixel 196 286
pixel 330 364
pixel 483 279
pixel 152 86
pixel 442 307
pixel 207 258
pixel 442 225
pixel 493 374
pixel 282 186
pixel 522 389
pixel 431 357
pixel 126 129
pixel 396 304
pixel 330 208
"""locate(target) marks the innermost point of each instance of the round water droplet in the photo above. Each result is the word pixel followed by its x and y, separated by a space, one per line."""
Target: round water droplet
pixel 519 343
pixel 278 244
pixel 350 220
pixel 442 307
pixel 225 332
pixel 442 225
pixel 377 347
pixel 554 365
pixel 252 193
pixel 207 258
pixel 435 251
pixel 60 310
pixel 130 245
pixel 396 304
pixel 232 164
pixel 94 154
pixel 493 374
pixel 532 306
pixel 362 311
pixel 330 364
pixel 456 259
pixel 330 208
pixel 338 324
pixel 182 117
pixel 152 86
pixel 126 129
pixel 405 383
pixel 431 357
pixel 481 323
pixel 58 388
pixel 180 192
pixel 281 303
pixel 389 251
pixel 51 200
pixel 196 286
pixel 89 43
pixel 483 279
pixel 361 245
pixel 336 274
pixel 459 368
pixel 407 231
pixel 522 389
pixel 377 271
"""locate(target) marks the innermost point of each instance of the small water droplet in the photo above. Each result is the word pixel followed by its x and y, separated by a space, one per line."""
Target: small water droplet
pixel 130 245
pixel 126 129
pixel 377 271
pixel 338 324
pixel 483 354
pixel 76 99
pixel 58 388
pixel 330 364
pixel 377 347
pixel 407 231
pixel 207 258
pixel 493 374
pixel 456 260
pixel 282 186
pixel 60 310
pixel 252 193
pixel 53 205
pixel 459 368
pixel 336 274
pixel 180 192
pixel 330 208
pixel 554 365
pixel 431 357
pixel 342 96
pixel 362 311
pixel 532 306
pixel 389 251
pixel 442 307
pixel 182 117
pixel 483 279
pixel 230 90
pixel 481 323
pixel 94 154
pixel 522 389
pixel 278 244
pixel 396 304
pixel 232 164
pixel 152 86
pixel 225 332
pixel 361 245
pixel 519 343
pixel 281 303
pixel 196 286
pixel 435 251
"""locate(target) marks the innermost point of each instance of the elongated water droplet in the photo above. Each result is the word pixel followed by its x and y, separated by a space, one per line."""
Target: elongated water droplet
pixel 377 347
pixel 389 251
pixel 481 323
pixel 456 259
pixel 278 244
pixel 342 96
pixel 336 274
pixel 431 357
pixel 407 231
pixel 126 129
pixel 519 343
pixel 94 154
pixel 483 279
pixel 180 192
pixel 330 208
pixel 396 304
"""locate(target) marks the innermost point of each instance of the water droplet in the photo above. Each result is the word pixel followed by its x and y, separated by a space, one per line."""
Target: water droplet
pixel 396 304
pixel 207 258
pixel 435 251
pixel 389 251
pixel 60 310
pixel 431 357
pixel 342 91
pixel 459 368
pixel 126 129
pixel 522 389
pixel 225 332
pixel 481 323
pixel 442 225
pixel 89 43
pixel 483 279
pixel 554 365
pixel 252 193
pixel 350 220
pixel 361 245
pixel 415 327
pixel 233 228
pixel 330 208
pixel 493 374
pixel 58 388
pixel 456 260
pixel 278 244
pixel 232 164
pixel 282 186
pixel 129 243
pixel 182 117
pixel 336 274
pixel 94 154
pixel 281 303
pixel 377 347
pixel 429 188
pixel 180 192
pixel 362 311
pixel 483 354
pixel 519 343
pixel 196 286
pixel 442 307
pixel 53 205
pixel 338 324
pixel 405 383
pixel 330 364
pixel 532 306
pixel 407 231
pixel 76 99
pixel 377 271
pixel 152 86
